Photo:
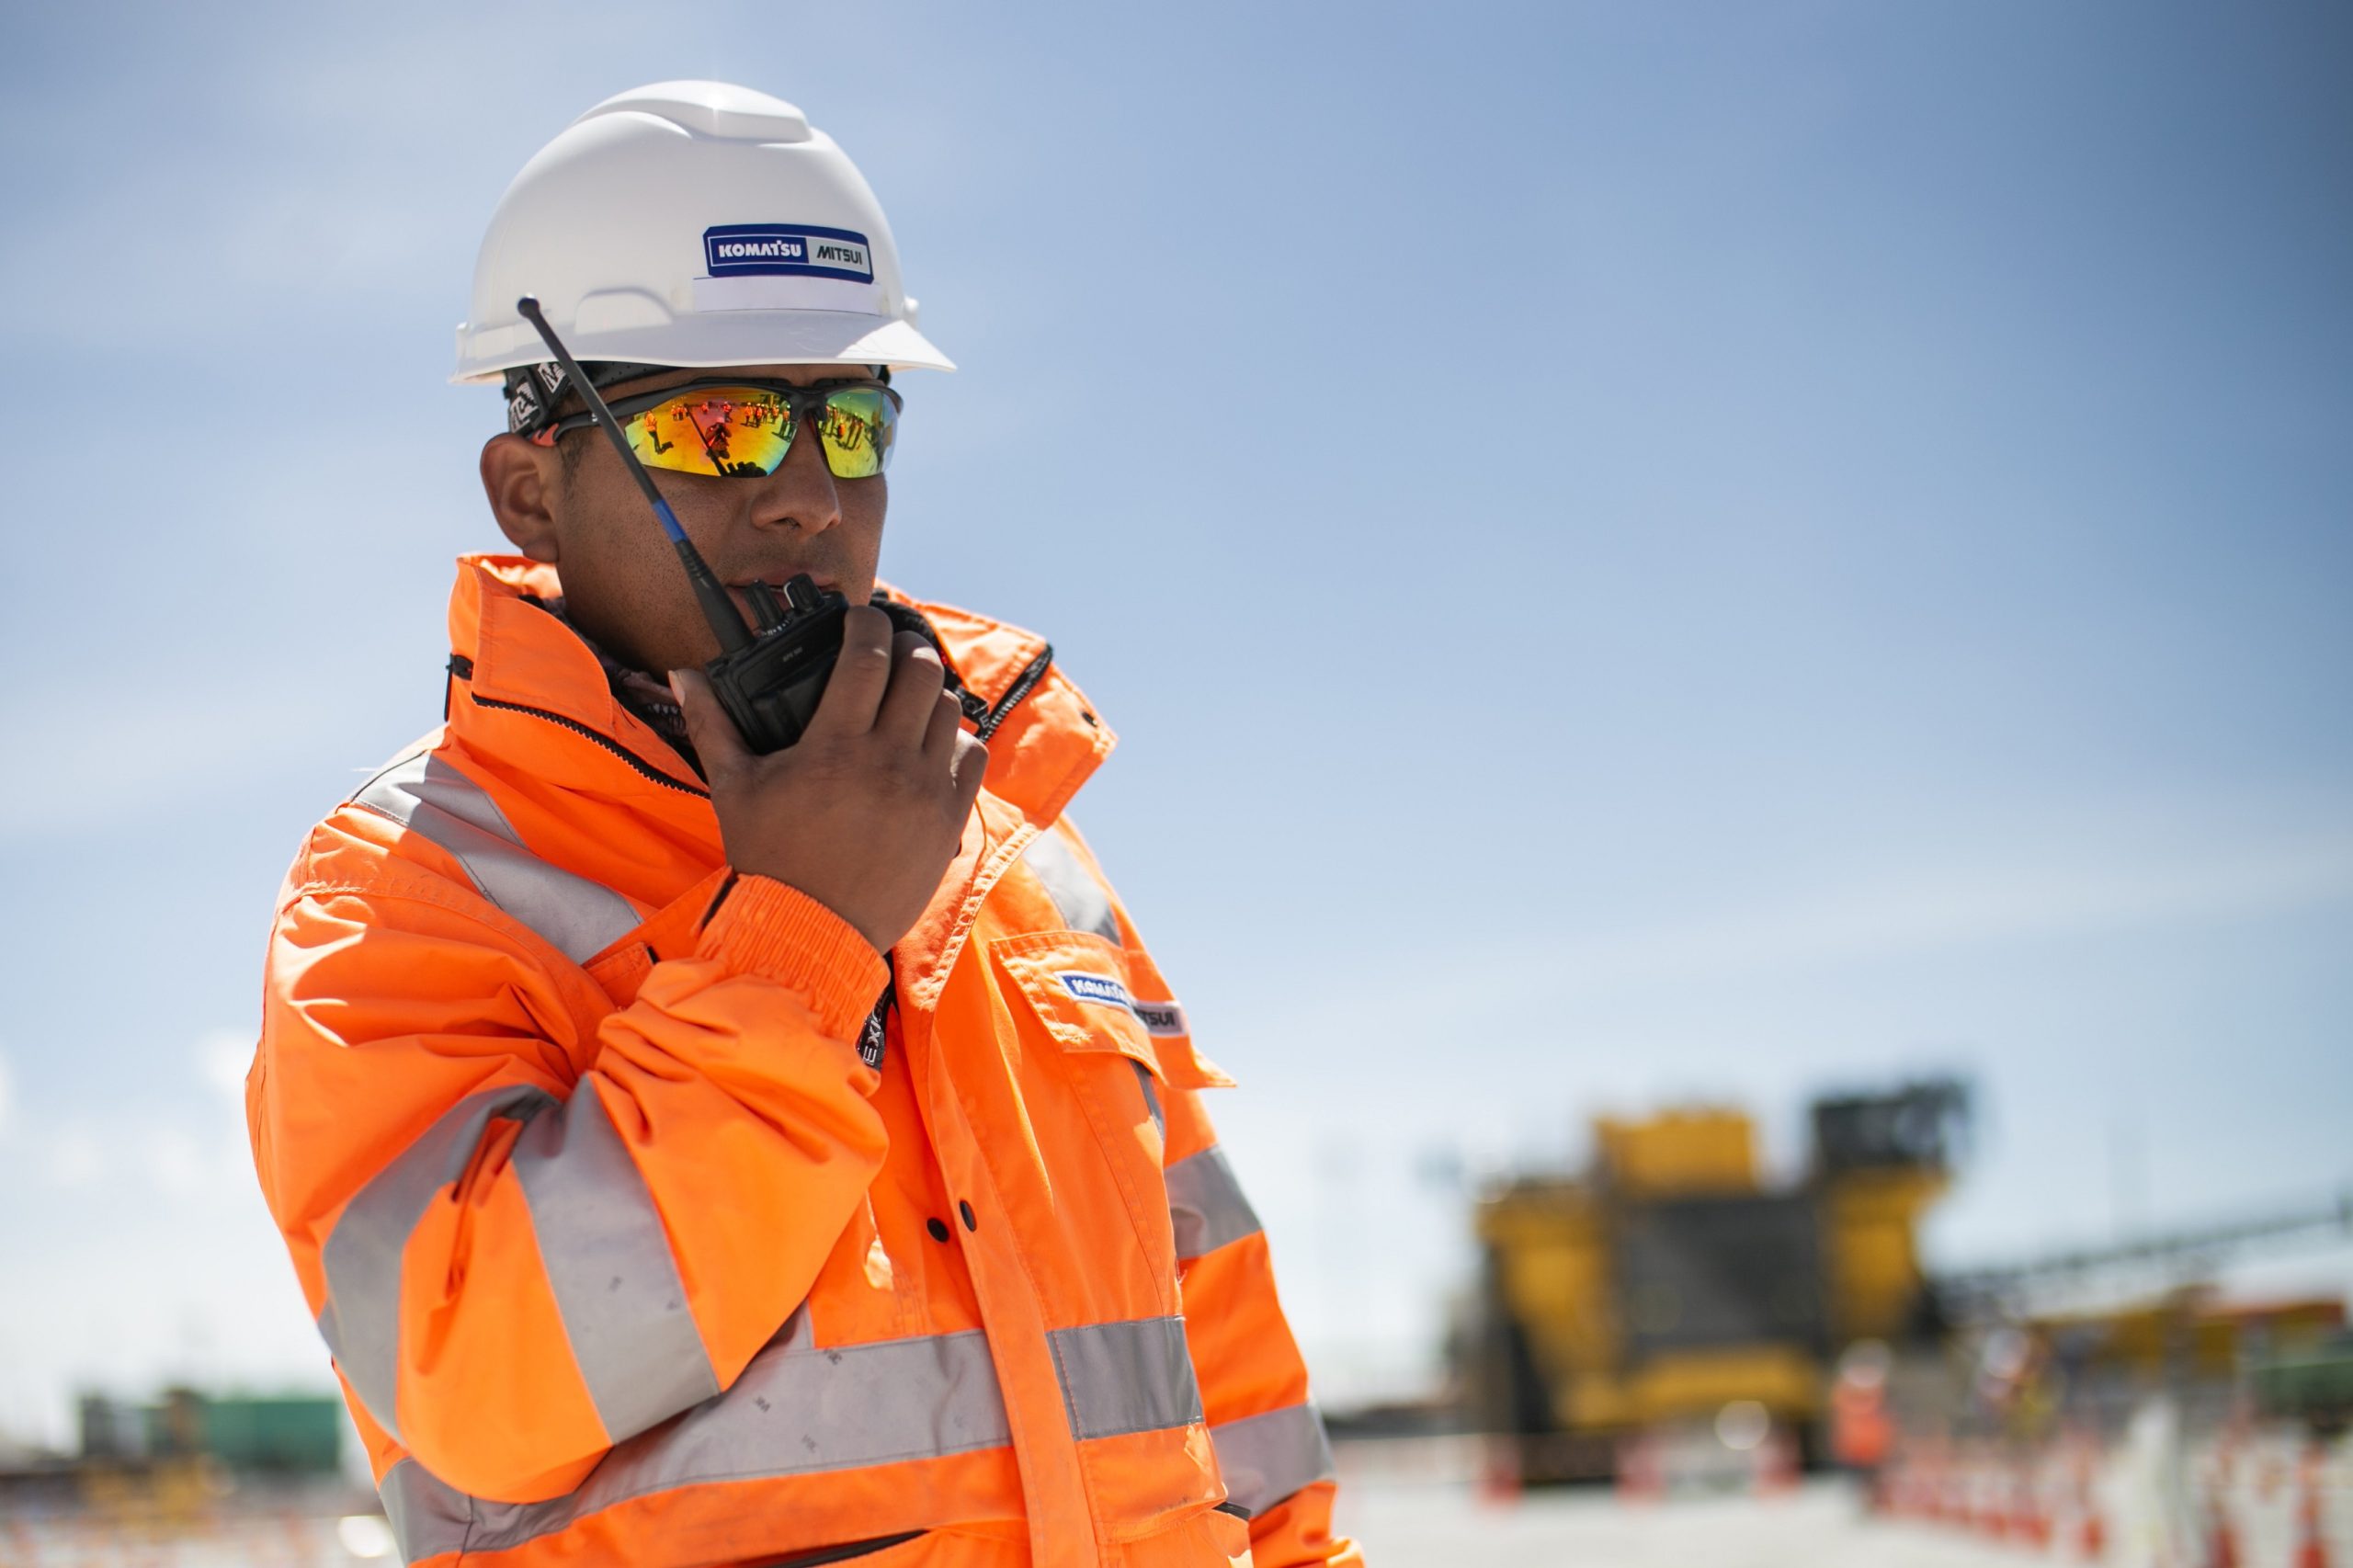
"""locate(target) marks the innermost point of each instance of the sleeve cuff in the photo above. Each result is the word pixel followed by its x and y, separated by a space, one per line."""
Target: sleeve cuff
pixel 779 933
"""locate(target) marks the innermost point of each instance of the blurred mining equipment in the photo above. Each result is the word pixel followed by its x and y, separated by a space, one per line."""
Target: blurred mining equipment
pixel 2170 1427
pixel 2181 1433
pixel 1668 1319
pixel 193 1478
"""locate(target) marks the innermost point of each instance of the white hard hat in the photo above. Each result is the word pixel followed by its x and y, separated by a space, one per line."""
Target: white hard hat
pixel 692 223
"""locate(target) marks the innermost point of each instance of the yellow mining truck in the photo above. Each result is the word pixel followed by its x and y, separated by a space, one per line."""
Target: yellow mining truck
pixel 1668 1283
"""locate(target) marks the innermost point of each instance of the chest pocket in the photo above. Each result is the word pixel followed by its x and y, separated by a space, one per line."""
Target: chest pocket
pixel 1104 975
pixel 1095 1075
pixel 1074 985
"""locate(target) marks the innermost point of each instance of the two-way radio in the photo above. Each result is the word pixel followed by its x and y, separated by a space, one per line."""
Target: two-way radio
pixel 768 680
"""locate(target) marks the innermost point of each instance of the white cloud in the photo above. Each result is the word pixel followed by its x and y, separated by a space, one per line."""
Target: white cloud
pixel 2028 897
pixel 76 1157
pixel 1954 907
pixel 3 1097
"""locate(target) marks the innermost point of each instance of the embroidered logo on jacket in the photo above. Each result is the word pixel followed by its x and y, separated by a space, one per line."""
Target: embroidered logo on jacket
pixel 1099 989
pixel 1157 1018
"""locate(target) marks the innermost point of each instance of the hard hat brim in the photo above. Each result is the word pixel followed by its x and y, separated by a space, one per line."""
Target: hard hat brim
pixel 713 339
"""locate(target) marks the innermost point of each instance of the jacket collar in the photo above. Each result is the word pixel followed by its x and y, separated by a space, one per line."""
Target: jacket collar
pixel 522 657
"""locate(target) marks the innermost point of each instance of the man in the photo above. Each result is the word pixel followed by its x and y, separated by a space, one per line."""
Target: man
pixel 640 1230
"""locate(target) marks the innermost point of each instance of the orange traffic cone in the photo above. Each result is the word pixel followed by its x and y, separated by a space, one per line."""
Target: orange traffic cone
pixel 1928 1486
pixel 1921 1484
pixel 2036 1524
pixel 2020 1525
pixel 1642 1475
pixel 2221 1539
pixel 1993 1506
pixel 2091 1529
pixel 1929 1495
pixel 1775 1468
pixel 2312 1547
pixel 1499 1477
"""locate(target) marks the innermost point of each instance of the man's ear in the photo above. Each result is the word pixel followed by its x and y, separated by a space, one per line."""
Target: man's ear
pixel 521 481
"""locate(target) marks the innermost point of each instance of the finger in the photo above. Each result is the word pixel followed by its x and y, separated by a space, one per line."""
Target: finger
pixel 709 730
pixel 915 677
pixel 972 768
pixel 861 674
pixel 940 732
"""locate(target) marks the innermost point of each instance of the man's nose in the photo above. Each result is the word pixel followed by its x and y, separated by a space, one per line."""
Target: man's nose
pixel 800 492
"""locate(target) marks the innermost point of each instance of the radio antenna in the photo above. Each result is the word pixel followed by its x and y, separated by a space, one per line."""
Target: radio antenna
pixel 726 620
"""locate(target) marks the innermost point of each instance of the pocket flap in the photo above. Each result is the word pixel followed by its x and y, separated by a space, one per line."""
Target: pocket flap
pixel 1078 983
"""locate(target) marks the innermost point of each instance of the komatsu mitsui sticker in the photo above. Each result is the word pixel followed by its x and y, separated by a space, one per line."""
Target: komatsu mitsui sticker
pixel 1157 1018
pixel 790 250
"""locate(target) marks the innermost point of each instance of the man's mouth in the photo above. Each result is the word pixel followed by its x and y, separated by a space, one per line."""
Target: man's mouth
pixel 777 580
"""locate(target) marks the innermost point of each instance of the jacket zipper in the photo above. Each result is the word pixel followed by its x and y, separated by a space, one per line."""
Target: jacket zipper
pixel 645 768
pixel 462 669
pixel 1023 684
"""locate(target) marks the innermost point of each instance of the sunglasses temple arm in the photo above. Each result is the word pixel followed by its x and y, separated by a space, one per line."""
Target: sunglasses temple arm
pixel 726 620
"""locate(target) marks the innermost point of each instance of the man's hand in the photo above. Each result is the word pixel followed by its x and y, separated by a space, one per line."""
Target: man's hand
pixel 865 812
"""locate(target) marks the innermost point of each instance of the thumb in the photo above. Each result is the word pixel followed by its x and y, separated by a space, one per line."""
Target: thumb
pixel 713 733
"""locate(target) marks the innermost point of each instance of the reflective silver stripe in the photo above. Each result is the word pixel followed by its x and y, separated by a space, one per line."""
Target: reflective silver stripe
pixel 427 1519
pixel 1150 1096
pixel 1078 897
pixel 1126 1376
pixel 1206 1204
pixel 362 1256
pixel 1266 1458
pixel 797 1409
pixel 608 1261
pixel 606 1256
pixel 579 918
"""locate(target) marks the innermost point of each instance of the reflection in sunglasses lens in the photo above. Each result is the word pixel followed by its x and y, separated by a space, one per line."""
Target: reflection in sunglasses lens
pixel 748 431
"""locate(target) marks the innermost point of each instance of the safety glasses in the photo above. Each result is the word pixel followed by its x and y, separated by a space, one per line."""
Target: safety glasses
pixel 743 429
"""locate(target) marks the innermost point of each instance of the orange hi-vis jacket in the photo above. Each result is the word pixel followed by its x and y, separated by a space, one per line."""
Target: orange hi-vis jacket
pixel 626 1253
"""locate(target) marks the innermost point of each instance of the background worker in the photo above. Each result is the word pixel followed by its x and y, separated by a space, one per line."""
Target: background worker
pixel 694 1158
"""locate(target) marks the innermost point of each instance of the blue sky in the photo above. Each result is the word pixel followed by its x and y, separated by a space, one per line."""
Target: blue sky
pixel 1638 553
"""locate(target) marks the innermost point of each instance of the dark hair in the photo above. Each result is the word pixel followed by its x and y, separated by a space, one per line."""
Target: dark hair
pixel 574 453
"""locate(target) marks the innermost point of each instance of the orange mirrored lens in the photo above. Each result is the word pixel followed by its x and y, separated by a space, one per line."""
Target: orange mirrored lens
pixel 748 431
pixel 714 430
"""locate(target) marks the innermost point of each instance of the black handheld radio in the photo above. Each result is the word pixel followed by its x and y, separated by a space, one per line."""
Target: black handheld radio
pixel 768 680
